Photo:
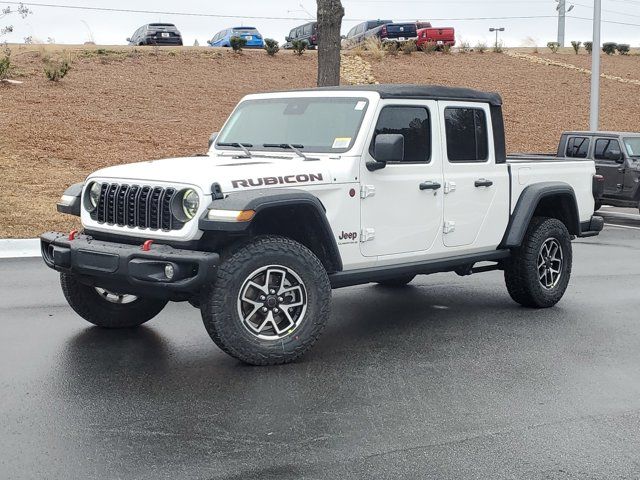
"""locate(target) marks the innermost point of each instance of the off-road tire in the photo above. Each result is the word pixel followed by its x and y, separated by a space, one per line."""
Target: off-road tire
pixel 219 302
pixel 88 303
pixel 397 282
pixel 521 269
pixel 597 206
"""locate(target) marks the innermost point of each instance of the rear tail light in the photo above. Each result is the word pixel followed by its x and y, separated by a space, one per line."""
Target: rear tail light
pixel 314 37
pixel 383 32
pixel 598 186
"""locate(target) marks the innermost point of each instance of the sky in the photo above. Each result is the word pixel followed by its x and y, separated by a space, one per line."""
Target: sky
pixel 471 18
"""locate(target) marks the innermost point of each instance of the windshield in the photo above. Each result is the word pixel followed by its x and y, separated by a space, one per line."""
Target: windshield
pixel 632 144
pixel 323 125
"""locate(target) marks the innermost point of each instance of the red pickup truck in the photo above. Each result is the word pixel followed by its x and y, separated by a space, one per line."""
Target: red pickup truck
pixel 437 36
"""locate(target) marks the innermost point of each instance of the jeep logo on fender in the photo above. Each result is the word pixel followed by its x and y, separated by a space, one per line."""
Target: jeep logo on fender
pixel 258 182
pixel 347 237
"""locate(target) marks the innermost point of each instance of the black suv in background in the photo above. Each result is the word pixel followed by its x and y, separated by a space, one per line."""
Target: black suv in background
pixel 356 34
pixel 156 34
pixel 617 159
pixel 307 32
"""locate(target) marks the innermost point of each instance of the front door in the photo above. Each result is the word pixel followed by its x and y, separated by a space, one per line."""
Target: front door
pixel 613 171
pixel 401 204
pixel 475 187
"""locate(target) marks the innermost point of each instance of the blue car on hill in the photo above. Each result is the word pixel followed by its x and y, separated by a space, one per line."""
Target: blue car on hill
pixel 251 34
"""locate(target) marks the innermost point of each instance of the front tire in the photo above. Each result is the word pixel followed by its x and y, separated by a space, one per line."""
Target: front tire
pixel 269 303
pixel 107 309
pixel 538 272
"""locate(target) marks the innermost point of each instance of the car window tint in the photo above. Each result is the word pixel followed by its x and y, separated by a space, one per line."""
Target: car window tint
pixel 466 130
pixel 307 29
pixel 577 147
pixel 414 124
pixel 604 146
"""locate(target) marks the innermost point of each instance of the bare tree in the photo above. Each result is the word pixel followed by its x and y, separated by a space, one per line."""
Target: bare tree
pixel 330 13
pixel 5 12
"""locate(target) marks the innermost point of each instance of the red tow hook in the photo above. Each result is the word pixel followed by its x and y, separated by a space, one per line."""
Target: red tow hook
pixel 146 246
pixel 72 234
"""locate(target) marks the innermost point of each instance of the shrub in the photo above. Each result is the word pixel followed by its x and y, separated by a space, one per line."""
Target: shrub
pixel 609 48
pixel 446 49
pixel 56 70
pixel 576 46
pixel 409 47
pixel 299 46
pixel 588 46
pixel 392 48
pixel 271 46
pixel 5 64
pixel 429 47
pixel 481 47
pixel 553 46
pixel 237 43
pixel 497 48
pixel 464 47
pixel 377 49
pixel 623 48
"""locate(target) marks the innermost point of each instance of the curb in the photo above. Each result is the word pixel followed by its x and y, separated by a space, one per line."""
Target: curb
pixel 20 248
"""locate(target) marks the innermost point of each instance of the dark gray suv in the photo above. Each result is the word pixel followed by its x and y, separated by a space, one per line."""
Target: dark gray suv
pixel 156 34
pixel 617 159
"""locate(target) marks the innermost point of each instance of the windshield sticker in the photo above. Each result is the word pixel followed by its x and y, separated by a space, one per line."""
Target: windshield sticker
pixel 360 105
pixel 341 142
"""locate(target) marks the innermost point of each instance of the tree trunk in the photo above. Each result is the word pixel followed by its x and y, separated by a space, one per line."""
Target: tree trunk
pixel 330 13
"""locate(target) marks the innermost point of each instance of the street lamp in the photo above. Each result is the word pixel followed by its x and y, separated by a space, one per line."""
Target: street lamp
pixel 496 29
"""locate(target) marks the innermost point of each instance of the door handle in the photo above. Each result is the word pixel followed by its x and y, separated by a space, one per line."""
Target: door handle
pixel 429 185
pixel 483 182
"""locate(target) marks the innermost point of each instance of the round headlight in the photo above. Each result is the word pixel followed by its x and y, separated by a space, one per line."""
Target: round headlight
pixel 190 203
pixel 94 195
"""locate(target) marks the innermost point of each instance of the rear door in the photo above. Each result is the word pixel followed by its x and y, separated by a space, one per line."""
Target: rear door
pixel 476 189
pixel 401 204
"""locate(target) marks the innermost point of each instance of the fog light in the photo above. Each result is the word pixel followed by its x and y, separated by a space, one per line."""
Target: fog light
pixel 169 271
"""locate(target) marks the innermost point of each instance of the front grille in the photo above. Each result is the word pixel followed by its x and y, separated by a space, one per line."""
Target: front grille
pixel 136 206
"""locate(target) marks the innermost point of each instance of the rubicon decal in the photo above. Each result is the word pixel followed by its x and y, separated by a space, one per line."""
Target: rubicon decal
pixel 287 179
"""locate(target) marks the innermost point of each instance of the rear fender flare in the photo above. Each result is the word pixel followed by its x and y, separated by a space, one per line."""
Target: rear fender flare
pixel 526 206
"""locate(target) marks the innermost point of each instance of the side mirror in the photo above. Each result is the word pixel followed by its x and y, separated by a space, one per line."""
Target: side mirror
pixel 128 39
pixel 212 138
pixel 616 156
pixel 388 147
pixel 287 39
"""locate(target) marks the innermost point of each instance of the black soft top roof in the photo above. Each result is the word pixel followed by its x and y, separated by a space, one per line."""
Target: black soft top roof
pixel 424 92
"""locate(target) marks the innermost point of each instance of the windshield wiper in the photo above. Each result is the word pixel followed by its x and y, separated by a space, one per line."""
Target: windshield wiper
pixel 241 146
pixel 290 146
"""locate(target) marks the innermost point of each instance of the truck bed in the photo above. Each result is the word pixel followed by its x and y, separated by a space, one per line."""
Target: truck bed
pixel 528 168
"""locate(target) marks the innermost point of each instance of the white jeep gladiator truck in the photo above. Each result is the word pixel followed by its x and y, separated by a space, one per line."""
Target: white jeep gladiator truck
pixel 305 191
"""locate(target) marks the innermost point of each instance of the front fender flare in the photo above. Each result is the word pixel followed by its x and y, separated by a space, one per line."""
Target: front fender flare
pixel 263 199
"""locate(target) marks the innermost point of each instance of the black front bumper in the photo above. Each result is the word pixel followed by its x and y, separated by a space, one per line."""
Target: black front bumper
pixel 128 268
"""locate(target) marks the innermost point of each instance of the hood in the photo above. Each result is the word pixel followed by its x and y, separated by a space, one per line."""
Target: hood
pixel 232 174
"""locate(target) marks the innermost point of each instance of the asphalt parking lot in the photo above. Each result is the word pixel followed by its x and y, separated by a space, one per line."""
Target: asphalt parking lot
pixel 447 379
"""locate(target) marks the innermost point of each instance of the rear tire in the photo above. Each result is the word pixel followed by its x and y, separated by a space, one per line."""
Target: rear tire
pixel 597 206
pixel 397 282
pixel 537 273
pixel 269 302
pixel 108 310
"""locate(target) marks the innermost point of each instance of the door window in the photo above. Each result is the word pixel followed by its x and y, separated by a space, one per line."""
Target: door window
pixel 414 124
pixel 577 147
pixel 604 148
pixel 466 130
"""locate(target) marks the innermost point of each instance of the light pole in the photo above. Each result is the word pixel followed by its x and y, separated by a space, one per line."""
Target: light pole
pixel 496 29
pixel 562 14
pixel 595 67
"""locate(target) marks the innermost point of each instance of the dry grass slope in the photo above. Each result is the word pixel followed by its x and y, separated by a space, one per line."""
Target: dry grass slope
pixel 122 105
